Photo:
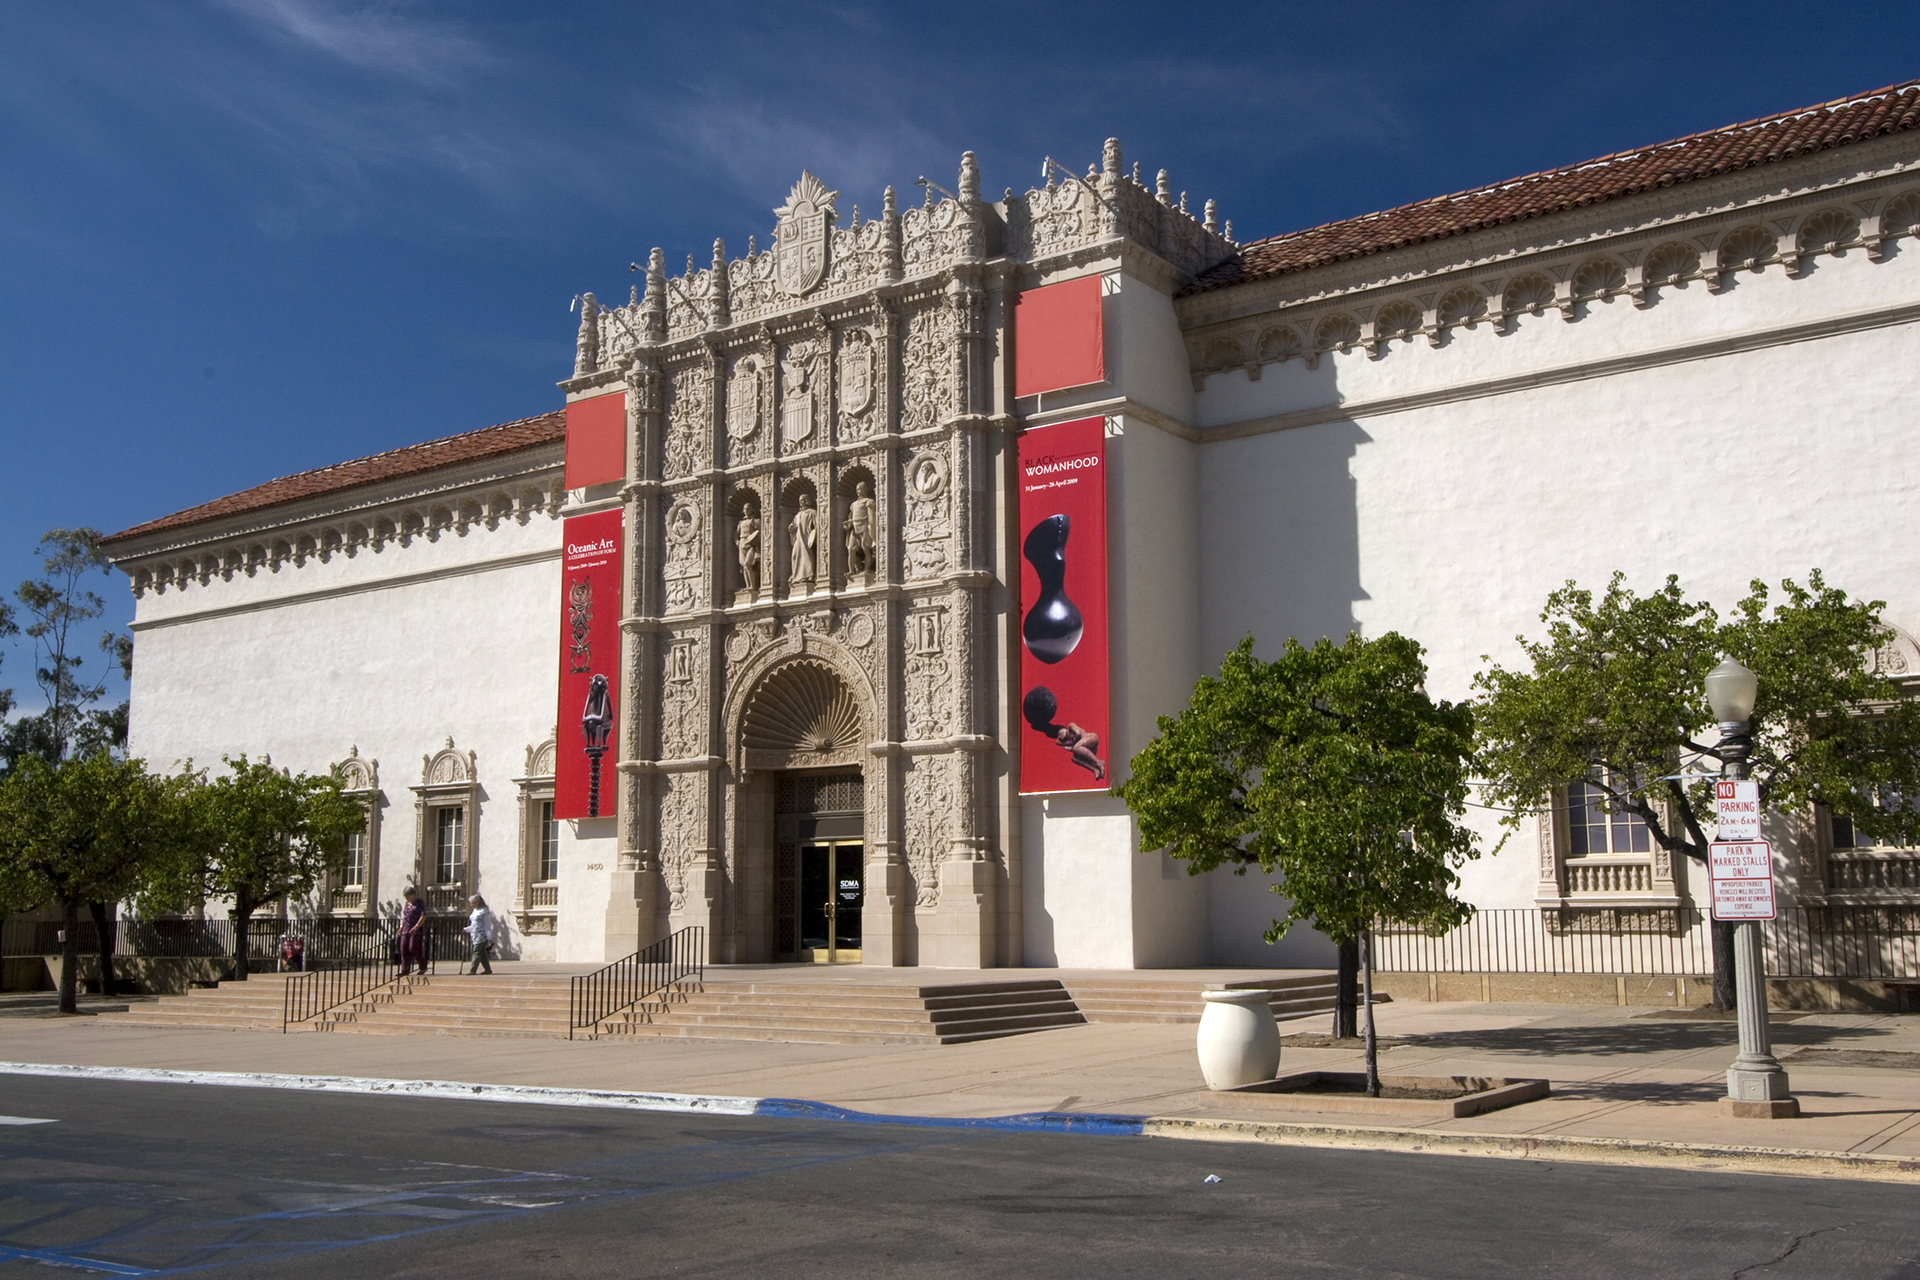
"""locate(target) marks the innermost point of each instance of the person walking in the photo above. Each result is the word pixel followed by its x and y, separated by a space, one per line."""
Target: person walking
pixel 413 933
pixel 480 934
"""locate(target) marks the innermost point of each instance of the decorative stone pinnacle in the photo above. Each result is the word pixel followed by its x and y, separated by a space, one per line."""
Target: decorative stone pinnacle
pixel 1213 217
pixel 1163 188
pixel 1110 157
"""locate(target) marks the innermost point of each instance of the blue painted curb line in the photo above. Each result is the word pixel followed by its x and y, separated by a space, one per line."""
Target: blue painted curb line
pixel 1092 1124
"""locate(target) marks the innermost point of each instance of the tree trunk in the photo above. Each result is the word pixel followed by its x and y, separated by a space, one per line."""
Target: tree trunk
pixel 241 913
pixel 1366 994
pixel 1346 997
pixel 69 955
pixel 103 932
pixel 1722 934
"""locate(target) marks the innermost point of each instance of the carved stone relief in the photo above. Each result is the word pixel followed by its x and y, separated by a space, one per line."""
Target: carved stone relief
pixel 929 712
pixel 686 583
pixel 803 383
pixel 689 430
pixel 927 368
pixel 929 803
pixel 681 833
pixel 746 396
pixel 929 525
pixel 859 373
pixel 683 703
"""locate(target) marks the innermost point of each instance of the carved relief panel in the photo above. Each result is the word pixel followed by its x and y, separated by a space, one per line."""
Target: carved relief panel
pixel 804 380
pixel 929 804
pixel 929 523
pixel 682 831
pixel 689 434
pixel 927 363
pixel 685 561
pixel 747 392
pixel 683 702
pixel 859 374
pixel 929 672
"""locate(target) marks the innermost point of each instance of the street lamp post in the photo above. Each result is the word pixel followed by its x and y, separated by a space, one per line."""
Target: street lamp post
pixel 1756 1082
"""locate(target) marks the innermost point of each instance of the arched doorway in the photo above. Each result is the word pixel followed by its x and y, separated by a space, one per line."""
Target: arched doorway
pixel 801 805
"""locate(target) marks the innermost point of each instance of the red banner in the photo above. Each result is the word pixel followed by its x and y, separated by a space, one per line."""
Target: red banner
pixel 1063 607
pixel 597 440
pixel 588 744
pixel 1057 338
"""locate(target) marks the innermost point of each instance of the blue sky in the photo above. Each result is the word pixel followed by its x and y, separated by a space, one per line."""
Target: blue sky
pixel 244 238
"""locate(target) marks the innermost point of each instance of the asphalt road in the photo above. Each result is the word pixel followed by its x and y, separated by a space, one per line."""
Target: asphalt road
pixel 159 1179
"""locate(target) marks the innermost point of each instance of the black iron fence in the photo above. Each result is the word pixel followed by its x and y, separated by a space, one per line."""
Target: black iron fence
pixel 1863 942
pixel 331 983
pixel 599 995
pixel 325 940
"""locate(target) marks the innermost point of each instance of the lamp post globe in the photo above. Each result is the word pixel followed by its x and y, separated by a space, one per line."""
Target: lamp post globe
pixel 1732 689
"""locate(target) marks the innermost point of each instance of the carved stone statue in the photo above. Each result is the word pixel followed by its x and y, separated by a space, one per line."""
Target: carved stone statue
pixel 746 541
pixel 803 531
pixel 860 529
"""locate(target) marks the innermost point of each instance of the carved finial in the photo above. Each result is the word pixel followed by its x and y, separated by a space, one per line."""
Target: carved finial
pixel 654 304
pixel 1093 171
pixel 586 355
pixel 1110 157
pixel 1009 195
pixel 969 178
pixel 1213 217
pixel 633 295
pixel 752 250
pixel 856 217
pixel 1227 234
pixel 1136 173
pixel 719 290
pixel 449 742
pixel 891 267
pixel 689 266
pixel 1163 189
pixel 1183 202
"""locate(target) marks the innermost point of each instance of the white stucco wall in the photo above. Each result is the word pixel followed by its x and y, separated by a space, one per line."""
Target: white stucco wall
pixel 1451 523
pixel 392 652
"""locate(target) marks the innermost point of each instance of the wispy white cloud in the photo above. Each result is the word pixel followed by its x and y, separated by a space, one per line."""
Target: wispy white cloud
pixel 373 37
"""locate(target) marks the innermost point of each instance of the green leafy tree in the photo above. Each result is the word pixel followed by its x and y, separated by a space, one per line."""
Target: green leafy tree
pixel 1331 766
pixel 1614 696
pixel 90 831
pixel 260 834
pixel 59 605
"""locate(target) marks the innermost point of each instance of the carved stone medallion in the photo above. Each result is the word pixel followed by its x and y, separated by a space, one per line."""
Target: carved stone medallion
pixel 856 372
pixel 743 400
pixel 800 237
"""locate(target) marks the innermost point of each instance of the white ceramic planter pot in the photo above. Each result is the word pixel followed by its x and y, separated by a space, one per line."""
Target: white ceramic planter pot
pixel 1238 1042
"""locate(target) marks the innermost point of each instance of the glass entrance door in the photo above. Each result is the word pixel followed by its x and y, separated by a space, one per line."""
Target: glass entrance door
pixel 832 891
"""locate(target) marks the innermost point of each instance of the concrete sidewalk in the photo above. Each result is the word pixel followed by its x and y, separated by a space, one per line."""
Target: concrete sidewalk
pixel 1625 1080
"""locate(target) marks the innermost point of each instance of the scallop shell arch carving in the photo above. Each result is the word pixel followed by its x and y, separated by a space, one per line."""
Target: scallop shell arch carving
pixel 447 766
pixel 1671 263
pixel 357 773
pixel 1746 247
pixel 803 715
pixel 1599 278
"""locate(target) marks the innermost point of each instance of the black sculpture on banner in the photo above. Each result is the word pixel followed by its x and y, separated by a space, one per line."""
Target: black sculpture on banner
pixel 596 725
pixel 1040 707
pixel 1053 626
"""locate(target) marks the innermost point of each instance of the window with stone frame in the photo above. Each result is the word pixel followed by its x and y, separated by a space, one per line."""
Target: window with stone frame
pixel 1863 868
pixel 353 887
pixel 537 896
pixel 447 809
pixel 1600 866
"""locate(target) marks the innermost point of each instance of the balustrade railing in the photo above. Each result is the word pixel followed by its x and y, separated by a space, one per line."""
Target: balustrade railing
pixel 1875 943
pixel 597 996
pixel 332 982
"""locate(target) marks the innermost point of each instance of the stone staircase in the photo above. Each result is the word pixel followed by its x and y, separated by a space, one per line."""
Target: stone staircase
pixel 855 1013
pixel 1116 1000
pixel 454 1004
pixel 253 1005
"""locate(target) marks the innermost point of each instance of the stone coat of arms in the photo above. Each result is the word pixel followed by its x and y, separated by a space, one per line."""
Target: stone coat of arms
pixel 801 236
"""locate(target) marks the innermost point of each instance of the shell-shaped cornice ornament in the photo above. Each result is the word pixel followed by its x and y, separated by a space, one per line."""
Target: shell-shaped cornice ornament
pixel 803 713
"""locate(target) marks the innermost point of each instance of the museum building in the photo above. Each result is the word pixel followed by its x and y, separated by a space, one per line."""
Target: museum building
pixel 852 571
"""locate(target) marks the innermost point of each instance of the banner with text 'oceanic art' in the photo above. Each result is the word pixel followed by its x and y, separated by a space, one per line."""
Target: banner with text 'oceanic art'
pixel 1063 607
pixel 588 745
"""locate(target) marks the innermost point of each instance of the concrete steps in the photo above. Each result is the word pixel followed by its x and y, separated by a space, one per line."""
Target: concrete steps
pixel 458 1005
pixel 866 1013
pixel 255 1005
pixel 1172 1001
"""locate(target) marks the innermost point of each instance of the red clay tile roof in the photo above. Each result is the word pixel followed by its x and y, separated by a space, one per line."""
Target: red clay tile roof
pixel 488 442
pixel 1740 146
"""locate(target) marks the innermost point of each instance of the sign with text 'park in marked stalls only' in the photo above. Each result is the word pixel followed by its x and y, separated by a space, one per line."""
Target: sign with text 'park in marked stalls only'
pixel 1742 875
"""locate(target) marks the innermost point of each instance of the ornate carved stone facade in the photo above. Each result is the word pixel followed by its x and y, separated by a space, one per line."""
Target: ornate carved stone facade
pixel 822 506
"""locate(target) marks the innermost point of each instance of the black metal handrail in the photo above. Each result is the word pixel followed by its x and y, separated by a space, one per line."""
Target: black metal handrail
pixel 595 997
pixel 308 995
